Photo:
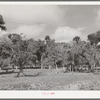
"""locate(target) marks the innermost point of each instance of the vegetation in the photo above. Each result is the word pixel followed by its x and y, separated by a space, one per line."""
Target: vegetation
pixel 75 56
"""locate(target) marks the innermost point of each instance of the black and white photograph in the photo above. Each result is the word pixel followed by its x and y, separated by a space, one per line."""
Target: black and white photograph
pixel 49 47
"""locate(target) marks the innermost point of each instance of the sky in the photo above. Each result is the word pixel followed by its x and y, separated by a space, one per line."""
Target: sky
pixel 61 22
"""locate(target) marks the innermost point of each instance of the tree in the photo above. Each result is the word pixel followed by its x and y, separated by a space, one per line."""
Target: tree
pixel 5 45
pixel 94 38
pixel 40 51
pixel 5 51
pixel 47 39
pixel 93 49
pixel 50 53
pixel 37 48
pixel 90 55
pixel 76 38
pixel 76 54
pixel 53 53
pixel 32 49
pixel 2 24
pixel 19 56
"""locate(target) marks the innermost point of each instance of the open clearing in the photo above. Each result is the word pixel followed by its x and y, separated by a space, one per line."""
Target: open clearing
pixel 45 79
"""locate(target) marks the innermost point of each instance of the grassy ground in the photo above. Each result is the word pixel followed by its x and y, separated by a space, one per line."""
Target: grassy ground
pixel 45 79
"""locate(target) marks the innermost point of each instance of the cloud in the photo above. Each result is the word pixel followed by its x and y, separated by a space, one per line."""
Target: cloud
pixel 66 34
pixel 4 36
pixel 2 33
pixel 29 31
pixel 42 14
pixel 60 34
pixel 35 21
pixel 39 21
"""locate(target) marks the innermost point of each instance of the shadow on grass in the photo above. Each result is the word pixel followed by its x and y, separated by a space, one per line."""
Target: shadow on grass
pixel 10 72
pixel 26 75
pixel 35 75
pixel 31 75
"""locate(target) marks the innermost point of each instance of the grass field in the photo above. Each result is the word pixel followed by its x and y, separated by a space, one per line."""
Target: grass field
pixel 45 79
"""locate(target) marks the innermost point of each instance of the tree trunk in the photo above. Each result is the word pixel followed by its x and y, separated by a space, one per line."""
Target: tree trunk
pixel 56 66
pixel 35 64
pixel 66 69
pixel 49 67
pixel 20 73
pixel 70 67
pixel 41 62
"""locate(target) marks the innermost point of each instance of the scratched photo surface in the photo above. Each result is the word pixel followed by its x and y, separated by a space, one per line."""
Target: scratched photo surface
pixel 49 47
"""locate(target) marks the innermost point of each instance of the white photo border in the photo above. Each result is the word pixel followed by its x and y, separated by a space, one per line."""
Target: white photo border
pixel 57 94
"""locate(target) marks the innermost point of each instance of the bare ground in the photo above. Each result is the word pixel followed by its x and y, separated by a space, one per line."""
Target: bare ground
pixel 45 79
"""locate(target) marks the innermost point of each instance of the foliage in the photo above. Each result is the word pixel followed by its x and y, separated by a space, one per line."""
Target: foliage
pixel 49 53
pixel 2 24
